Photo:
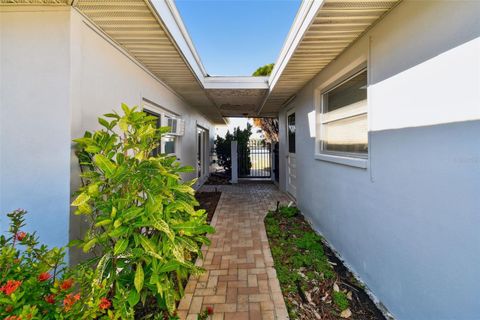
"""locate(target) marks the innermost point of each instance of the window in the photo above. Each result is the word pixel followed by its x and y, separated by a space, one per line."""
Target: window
pixel 343 118
pixel 291 132
pixel 168 143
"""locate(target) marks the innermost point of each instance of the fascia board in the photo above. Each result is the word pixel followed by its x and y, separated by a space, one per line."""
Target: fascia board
pixel 216 82
pixel 168 14
pixel 306 14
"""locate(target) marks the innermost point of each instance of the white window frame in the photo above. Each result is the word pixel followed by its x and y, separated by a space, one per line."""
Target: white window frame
pixel 345 158
pixel 163 114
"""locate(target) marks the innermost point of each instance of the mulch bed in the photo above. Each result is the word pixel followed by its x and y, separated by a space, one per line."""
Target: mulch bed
pixel 319 286
pixel 208 201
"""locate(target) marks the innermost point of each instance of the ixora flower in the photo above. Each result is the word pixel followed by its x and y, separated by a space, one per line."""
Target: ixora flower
pixel 104 304
pixel 20 235
pixel 70 300
pixel 66 284
pixel 10 287
pixel 50 298
pixel 210 310
pixel 44 276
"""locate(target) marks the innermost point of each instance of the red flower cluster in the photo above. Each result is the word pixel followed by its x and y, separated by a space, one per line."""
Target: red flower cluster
pixel 66 284
pixel 69 301
pixel 10 287
pixel 210 310
pixel 50 298
pixel 44 276
pixel 13 318
pixel 20 235
pixel 104 304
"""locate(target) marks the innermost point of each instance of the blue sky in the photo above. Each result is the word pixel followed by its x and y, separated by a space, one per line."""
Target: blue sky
pixel 234 38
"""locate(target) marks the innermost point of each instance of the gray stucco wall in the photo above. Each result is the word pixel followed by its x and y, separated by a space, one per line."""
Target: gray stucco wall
pixel 34 126
pixel 103 77
pixel 408 224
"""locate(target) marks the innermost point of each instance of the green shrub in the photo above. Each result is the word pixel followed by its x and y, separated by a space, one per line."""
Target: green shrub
pixel 141 213
pixel 340 299
pixel 288 211
pixel 34 283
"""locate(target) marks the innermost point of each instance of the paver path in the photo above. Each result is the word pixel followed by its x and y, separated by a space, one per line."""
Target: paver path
pixel 240 282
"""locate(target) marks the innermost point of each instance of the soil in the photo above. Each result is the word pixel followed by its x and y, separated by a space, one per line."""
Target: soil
pixel 313 297
pixel 208 201
pixel 218 178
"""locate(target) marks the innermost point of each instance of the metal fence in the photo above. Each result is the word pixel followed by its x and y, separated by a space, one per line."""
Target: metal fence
pixel 255 159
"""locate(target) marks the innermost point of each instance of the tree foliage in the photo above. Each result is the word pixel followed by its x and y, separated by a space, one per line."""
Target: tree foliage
pixel 269 126
pixel 224 151
pixel 265 70
pixel 141 214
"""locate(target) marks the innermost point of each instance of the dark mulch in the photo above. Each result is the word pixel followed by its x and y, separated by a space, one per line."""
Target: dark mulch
pixel 218 178
pixel 208 201
pixel 308 288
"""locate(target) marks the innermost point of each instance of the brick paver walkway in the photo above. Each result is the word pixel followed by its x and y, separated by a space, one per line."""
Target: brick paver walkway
pixel 240 282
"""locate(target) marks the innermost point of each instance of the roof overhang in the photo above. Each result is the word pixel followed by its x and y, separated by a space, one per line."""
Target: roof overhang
pixel 153 33
pixel 321 31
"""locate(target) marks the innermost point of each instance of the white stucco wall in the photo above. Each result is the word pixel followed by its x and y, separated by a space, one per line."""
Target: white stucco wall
pixel 58 75
pixel 408 224
pixel 34 126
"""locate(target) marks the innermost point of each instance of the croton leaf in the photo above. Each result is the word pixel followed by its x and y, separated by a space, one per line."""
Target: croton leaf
pixel 107 166
pixel 81 199
pixel 161 225
pixel 120 246
pixel 139 277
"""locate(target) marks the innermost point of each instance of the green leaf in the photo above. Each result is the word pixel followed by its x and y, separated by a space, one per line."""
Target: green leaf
pixel 89 245
pixel 118 232
pixel 126 109
pixel 111 115
pixel 133 298
pixel 103 223
pixel 75 243
pixel 170 301
pixel 81 199
pixel 184 189
pixel 161 225
pixel 188 244
pixel 120 246
pixel 117 223
pixel 185 169
pixel 123 124
pixel 139 277
pixel 169 266
pixel 193 227
pixel 178 253
pixel 155 255
pixel 104 123
pixel 148 244
pixel 107 166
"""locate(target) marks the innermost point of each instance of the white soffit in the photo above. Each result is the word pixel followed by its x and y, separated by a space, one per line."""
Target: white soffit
pixel 136 26
pixel 322 30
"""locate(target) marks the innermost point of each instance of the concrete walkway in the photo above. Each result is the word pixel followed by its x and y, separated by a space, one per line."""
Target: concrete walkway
pixel 240 282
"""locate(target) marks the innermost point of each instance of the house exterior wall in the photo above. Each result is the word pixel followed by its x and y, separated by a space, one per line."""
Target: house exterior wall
pixel 408 224
pixel 58 75
pixel 103 77
pixel 34 120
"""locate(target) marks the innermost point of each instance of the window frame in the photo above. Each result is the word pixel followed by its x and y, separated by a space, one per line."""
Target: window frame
pixel 163 117
pixel 353 159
